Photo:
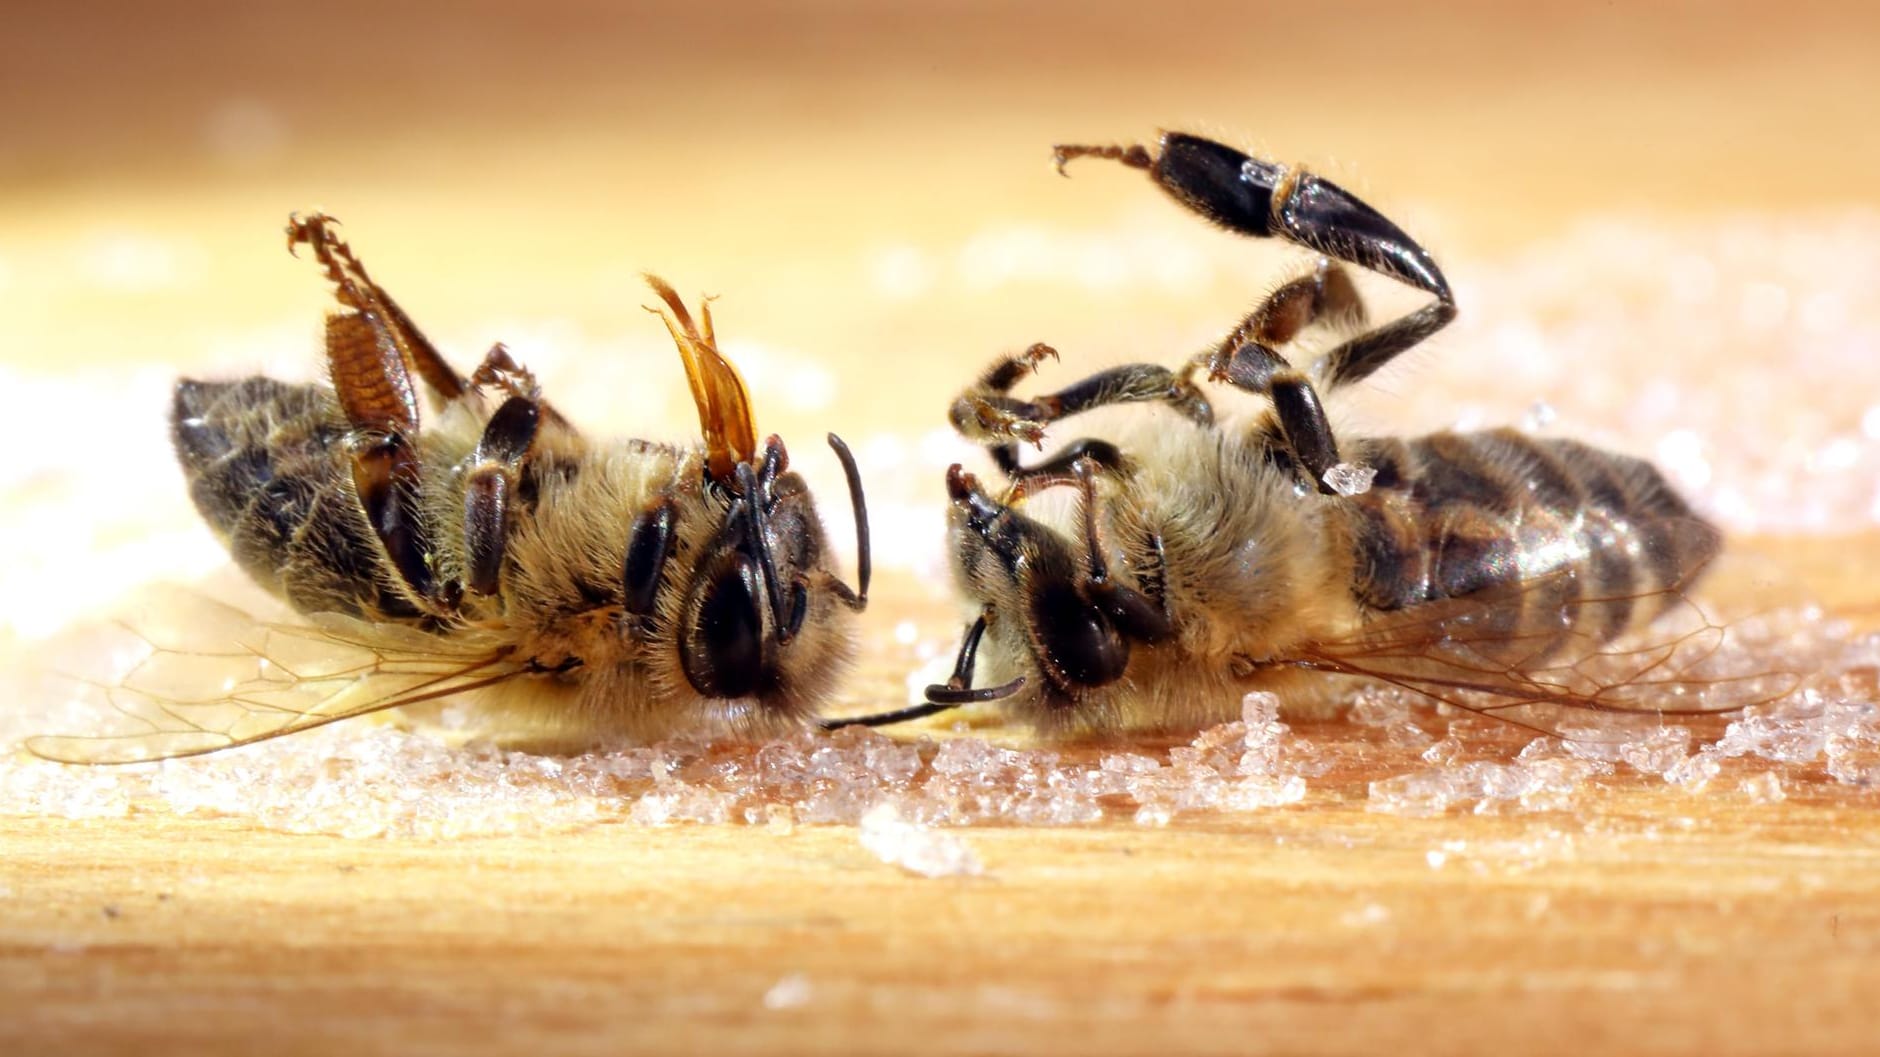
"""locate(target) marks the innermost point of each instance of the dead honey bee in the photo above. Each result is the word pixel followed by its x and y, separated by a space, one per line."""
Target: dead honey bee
pixel 608 588
pixel 1488 570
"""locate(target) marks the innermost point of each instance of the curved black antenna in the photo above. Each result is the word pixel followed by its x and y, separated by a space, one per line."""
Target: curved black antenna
pixel 884 719
pixel 856 600
pixel 957 690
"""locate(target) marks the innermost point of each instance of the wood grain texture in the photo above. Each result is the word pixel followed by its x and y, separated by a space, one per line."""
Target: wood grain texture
pixel 1659 923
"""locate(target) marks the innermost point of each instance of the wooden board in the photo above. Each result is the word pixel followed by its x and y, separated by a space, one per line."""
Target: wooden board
pixel 1650 922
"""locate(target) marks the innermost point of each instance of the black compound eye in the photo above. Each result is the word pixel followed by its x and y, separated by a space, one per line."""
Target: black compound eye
pixel 723 651
pixel 1077 638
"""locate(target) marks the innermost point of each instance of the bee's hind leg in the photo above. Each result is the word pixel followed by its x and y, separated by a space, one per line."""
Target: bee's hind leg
pixel 357 291
pixel 376 396
pixel 1264 199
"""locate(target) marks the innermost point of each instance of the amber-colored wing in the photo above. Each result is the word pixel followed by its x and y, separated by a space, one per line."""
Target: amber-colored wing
pixel 208 676
pixel 1539 651
pixel 724 403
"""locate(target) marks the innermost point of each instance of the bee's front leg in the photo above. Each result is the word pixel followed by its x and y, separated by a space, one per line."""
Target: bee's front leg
pixel 986 414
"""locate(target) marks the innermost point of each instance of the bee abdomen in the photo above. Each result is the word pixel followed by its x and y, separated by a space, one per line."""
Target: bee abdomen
pixel 1571 537
pixel 266 465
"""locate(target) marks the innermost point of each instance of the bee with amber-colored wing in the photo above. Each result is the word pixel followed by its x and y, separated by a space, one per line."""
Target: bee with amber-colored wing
pixel 1494 571
pixel 597 588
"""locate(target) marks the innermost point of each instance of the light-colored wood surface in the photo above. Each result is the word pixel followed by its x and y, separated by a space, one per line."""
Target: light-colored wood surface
pixel 852 178
pixel 1654 923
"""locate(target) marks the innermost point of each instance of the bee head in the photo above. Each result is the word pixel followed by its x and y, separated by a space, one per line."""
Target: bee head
pixel 762 614
pixel 1077 623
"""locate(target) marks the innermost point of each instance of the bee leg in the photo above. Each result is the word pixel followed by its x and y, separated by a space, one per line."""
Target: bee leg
pixel 501 371
pixel 376 396
pixel 1055 470
pixel 1304 431
pixel 495 466
pixel 1264 199
pixel 1134 613
pixel 991 417
pixel 356 290
pixel 985 414
pixel 649 544
pixel 958 689
pixel 1324 293
pixel 1247 362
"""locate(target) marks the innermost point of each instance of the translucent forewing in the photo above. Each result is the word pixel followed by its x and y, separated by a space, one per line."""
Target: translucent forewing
pixel 211 677
pixel 1528 652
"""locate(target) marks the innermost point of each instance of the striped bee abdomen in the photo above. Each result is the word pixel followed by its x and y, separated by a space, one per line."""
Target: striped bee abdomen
pixel 1561 536
pixel 266 465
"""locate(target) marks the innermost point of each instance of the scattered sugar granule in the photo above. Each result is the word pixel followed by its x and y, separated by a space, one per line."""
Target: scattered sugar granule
pixel 788 993
pixel 914 847
pixel 1349 479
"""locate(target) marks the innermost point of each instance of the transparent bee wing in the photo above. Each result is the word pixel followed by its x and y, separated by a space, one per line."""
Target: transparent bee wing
pixel 1539 651
pixel 199 676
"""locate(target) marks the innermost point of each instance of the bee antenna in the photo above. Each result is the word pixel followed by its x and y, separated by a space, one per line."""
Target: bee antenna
pixel 857 600
pixel 955 692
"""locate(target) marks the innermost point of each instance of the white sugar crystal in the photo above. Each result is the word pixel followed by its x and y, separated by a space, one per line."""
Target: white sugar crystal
pixel 1153 815
pixel 1658 751
pixel 1370 915
pixel 1765 788
pixel 1259 709
pixel 914 847
pixel 790 992
pixel 779 819
pixel 1694 772
pixel 1405 734
pixel 1539 415
pixel 1255 794
pixel 1349 479
pixel 1443 752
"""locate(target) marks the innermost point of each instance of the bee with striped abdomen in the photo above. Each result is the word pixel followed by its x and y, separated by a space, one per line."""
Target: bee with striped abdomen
pixel 1492 570
pixel 598 588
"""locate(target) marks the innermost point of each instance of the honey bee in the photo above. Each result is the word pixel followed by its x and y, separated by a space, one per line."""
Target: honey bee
pixel 1488 570
pixel 607 588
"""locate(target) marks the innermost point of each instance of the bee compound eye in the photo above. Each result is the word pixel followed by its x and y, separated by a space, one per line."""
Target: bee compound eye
pixel 722 652
pixel 1077 639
